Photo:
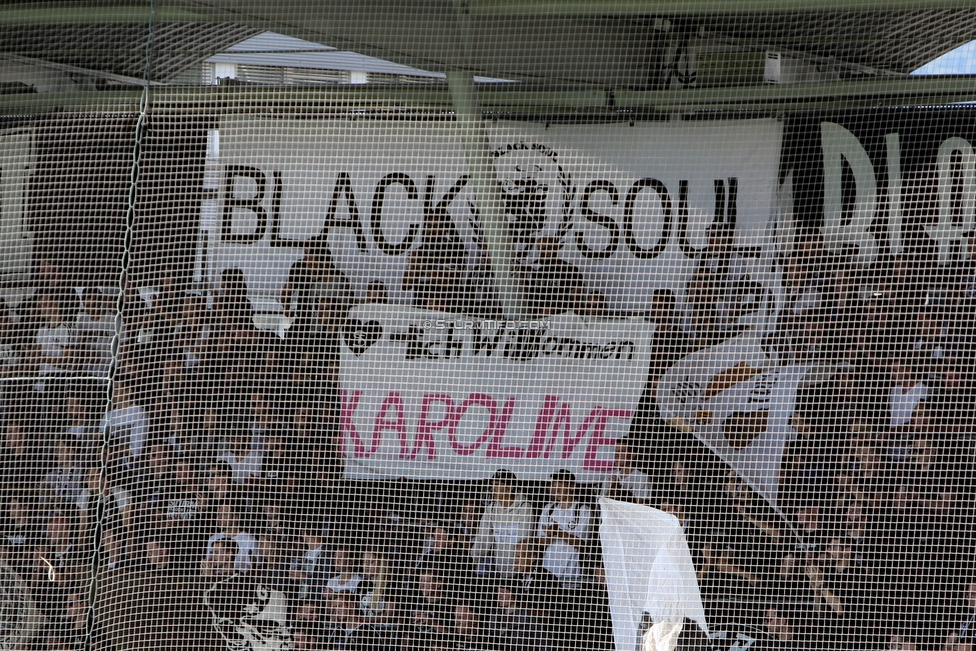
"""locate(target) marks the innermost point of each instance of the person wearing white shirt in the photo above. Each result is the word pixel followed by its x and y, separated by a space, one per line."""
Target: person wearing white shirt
pixel 95 328
pixel 506 522
pixel 346 579
pixel 564 530
pixel 244 458
pixel 247 545
pixel 53 340
pixel 906 394
pixel 127 423
pixel 627 483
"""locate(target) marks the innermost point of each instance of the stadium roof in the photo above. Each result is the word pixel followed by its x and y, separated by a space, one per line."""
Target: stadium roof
pixel 276 50
pixel 612 42
pixel 609 48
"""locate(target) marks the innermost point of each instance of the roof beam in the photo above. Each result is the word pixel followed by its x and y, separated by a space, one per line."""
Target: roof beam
pixel 607 8
pixel 83 14
pixel 507 99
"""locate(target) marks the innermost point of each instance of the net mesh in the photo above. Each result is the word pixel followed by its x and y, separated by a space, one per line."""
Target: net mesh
pixel 486 325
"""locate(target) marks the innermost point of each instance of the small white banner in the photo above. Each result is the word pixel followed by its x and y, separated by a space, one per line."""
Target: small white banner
pixel 429 395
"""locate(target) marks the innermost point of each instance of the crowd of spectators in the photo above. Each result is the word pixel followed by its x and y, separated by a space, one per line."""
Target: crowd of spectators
pixel 153 449
pixel 871 540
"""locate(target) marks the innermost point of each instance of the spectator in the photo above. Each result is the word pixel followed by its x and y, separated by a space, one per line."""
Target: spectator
pixel 565 531
pixel 23 459
pixel 553 285
pixel 435 269
pixel 505 523
pixel 900 642
pixel 669 343
pixel 228 522
pixel 469 634
pixel 346 578
pixel 907 392
pixel 195 339
pixel 54 346
pixel 220 563
pixel 311 279
pixel 562 612
pixel 66 482
pixel 60 564
pixel 349 631
pixel 95 328
pixel 779 626
pixel 113 556
pixel 315 564
pixel 963 634
pixel 431 611
pixel 126 425
pixel 479 282
pixel 11 344
pixel 157 481
pixel 626 482
pixel 76 616
pixel 183 514
pixel 20 531
pixel 443 545
pixel 243 457
pixel 740 547
pixel 844 583
pixel 232 306
pixel 111 494
pixel 79 427
pixel 380 592
pixel 514 627
pixel 719 287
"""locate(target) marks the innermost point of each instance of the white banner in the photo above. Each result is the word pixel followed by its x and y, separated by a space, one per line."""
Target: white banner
pixel 737 402
pixel 16 165
pixel 631 201
pixel 649 570
pixel 428 395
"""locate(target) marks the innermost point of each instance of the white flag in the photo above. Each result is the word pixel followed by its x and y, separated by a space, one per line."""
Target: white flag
pixel 649 570
pixel 735 400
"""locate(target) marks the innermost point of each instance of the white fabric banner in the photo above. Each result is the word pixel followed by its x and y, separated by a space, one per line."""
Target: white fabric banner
pixel 631 202
pixel 428 395
pixel 17 160
pixel 649 570
pixel 737 402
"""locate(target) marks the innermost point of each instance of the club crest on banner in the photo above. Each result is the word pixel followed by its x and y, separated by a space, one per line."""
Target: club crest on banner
pixel 537 191
pixel 249 616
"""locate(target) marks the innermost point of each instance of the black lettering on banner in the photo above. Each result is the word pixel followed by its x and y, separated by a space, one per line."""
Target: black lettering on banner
pixel 625 346
pixel 376 223
pixel 632 194
pixel 732 211
pixel 453 346
pixel 606 221
pixel 274 234
pixel 524 344
pixel 719 201
pixel 687 390
pixel 343 187
pixel 252 203
pixel 488 342
pixel 446 200
pixel 683 242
